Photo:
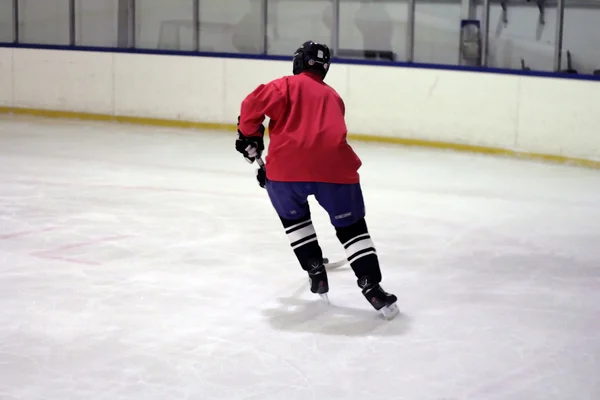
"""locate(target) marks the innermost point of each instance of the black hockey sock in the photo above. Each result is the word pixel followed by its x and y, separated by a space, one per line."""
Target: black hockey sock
pixel 303 239
pixel 360 251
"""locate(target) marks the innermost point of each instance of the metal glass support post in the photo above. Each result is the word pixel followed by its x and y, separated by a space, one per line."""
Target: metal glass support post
pixel 264 25
pixel 410 31
pixel 335 27
pixel 125 24
pixel 468 9
pixel 122 24
pixel 485 40
pixel 15 21
pixel 71 22
pixel 558 35
pixel 131 23
pixel 196 24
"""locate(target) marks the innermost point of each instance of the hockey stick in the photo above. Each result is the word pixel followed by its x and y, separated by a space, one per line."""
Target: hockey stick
pixel 334 265
pixel 328 265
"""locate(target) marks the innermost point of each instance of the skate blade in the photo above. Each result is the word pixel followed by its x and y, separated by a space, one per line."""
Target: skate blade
pixel 389 312
pixel 324 297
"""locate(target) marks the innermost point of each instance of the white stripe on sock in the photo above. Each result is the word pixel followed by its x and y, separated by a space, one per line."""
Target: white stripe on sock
pixel 301 233
pixel 368 253
pixel 303 243
pixel 356 237
pixel 358 246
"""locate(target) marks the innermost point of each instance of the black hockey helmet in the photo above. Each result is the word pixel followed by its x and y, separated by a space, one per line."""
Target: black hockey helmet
pixel 312 56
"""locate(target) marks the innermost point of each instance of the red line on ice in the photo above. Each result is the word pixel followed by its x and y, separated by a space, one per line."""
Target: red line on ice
pixel 71 260
pixel 54 254
pixel 83 244
pixel 25 233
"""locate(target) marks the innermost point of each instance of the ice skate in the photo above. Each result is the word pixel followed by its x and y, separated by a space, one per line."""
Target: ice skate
pixel 380 300
pixel 317 277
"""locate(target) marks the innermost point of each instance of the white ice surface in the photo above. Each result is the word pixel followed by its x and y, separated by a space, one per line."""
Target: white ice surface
pixel 147 264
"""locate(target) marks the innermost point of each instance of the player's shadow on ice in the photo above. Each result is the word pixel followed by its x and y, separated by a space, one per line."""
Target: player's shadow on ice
pixel 315 316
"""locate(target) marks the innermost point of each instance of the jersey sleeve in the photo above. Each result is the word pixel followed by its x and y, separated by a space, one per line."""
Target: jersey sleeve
pixel 339 101
pixel 267 100
pixel 342 106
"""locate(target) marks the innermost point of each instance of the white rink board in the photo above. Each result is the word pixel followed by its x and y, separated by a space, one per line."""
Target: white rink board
pixel 189 89
pixel 433 105
pixel 569 109
pixel 529 114
pixel 64 81
pixel 6 78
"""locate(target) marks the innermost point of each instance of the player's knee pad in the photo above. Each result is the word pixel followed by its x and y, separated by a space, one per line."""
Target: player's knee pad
pixel 303 239
pixel 360 250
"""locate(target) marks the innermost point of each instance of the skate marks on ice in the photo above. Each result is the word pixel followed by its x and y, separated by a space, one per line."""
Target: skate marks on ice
pixel 316 316
pixel 302 311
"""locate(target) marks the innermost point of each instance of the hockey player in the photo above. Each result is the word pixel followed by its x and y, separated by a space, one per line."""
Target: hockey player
pixel 309 155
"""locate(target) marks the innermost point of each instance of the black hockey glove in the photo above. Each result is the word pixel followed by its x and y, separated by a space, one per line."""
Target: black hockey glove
pixel 251 147
pixel 261 177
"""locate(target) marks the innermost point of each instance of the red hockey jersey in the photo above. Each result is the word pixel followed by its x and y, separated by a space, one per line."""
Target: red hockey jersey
pixel 307 130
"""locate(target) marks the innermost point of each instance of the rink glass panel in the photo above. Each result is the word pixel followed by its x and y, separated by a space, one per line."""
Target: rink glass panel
pixel 231 26
pixel 44 22
pixel 437 32
pixel 291 23
pixel 373 30
pixel 519 36
pixel 96 23
pixel 164 25
pixel 581 36
pixel 516 38
pixel 6 21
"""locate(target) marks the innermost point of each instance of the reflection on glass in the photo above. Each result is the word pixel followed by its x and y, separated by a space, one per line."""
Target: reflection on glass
pixel 581 38
pixel 232 26
pixel 437 32
pixel 44 22
pixel 247 36
pixel 6 22
pixel 373 29
pixel 96 23
pixel 517 39
pixel 165 25
pixel 291 23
